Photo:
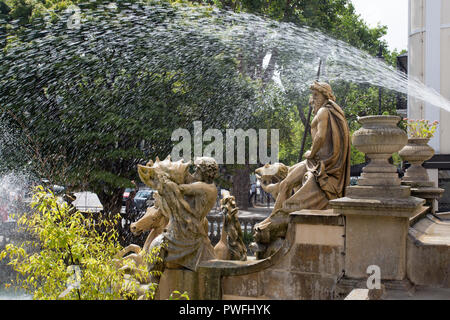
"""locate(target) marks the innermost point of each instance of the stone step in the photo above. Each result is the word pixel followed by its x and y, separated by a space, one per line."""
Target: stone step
pixel 432 231
pixel 428 252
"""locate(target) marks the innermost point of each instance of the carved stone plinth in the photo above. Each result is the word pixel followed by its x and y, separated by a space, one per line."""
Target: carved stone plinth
pixel 416 152
pixel 376 232
pixel 378 209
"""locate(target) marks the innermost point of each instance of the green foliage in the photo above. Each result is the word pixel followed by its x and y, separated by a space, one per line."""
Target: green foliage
pixel 248 238
pixel 335 17
pixel 356 156
pixel 338 19
pixel 99 116
pixel 396 159
pixel 68 240
pixel 177 295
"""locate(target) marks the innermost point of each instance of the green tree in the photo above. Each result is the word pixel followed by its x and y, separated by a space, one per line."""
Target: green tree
pixel 88 115
pixel 335 18
pixel 89 119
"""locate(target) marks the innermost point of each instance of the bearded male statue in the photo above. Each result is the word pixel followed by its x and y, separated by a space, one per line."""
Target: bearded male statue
pixel 312 183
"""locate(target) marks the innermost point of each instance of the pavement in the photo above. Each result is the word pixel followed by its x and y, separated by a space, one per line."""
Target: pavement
pixel 419 293
pixel 258 211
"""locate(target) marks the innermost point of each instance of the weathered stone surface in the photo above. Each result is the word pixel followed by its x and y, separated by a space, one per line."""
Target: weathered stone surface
pixel 246 286
pixel 178 279
pixel 419 215
pixel 364 294
pixel 306 271
pixel 200 285
pixel 284 262
pixel 376 240
pixel 321 235
pixel 313 286
pixel 428 252
pixel 319 241
pixel 429 194
pixel 210 287
pixel 278 285
pixel 363 192
pixel 234 297
pixel 443 215
pixel 317 217
pixel 394 207
pixel 326 260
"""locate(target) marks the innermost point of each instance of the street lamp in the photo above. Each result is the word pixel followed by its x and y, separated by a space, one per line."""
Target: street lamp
pixel 381 58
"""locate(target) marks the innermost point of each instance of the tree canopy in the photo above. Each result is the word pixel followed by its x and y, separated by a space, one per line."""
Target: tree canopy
pixel 87 104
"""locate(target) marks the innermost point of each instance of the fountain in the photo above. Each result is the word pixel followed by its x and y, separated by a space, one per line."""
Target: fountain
pixel 114 63
pixel 369 225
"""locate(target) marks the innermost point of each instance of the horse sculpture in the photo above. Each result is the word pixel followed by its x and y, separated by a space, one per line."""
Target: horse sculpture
pixel 154 221
pixel 179 228
pixel 187 199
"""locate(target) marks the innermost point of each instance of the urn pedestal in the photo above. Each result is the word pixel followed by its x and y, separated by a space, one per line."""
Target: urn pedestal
pixel 416 152
pixel 378 209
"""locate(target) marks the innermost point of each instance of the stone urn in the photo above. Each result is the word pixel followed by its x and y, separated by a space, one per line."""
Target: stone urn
pixel 378 210
pixel 379 138
pixel 416 152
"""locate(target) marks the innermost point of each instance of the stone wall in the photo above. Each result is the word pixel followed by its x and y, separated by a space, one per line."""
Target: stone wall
pixel 308 266
pixel 309 270
pixel 311 261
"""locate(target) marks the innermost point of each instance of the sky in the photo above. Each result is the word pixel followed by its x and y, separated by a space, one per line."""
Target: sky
pixel 392 13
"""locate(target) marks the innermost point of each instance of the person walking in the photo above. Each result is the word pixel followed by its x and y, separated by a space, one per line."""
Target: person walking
pixel 252 194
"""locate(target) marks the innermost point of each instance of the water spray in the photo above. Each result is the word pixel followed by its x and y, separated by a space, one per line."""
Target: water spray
pixel 305 134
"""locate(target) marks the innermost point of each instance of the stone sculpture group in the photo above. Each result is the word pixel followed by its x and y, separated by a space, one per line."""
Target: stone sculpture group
pixel 178 221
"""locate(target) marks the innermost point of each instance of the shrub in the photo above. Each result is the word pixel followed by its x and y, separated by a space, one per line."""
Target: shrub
pixel 73 260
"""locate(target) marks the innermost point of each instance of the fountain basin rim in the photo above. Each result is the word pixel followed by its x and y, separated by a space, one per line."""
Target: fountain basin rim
pixel 379 119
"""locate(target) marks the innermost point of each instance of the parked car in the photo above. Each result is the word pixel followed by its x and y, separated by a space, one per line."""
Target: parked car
pixel 143 199
pixel 126 194
pixel 353 181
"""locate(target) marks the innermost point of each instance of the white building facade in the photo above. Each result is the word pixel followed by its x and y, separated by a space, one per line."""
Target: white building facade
pixel 429 61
